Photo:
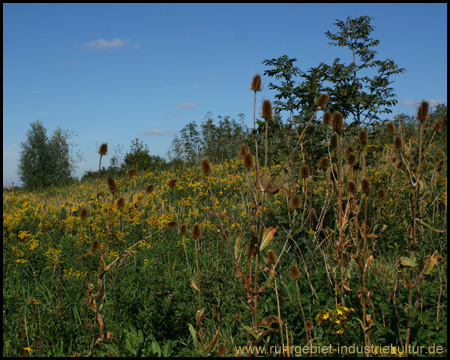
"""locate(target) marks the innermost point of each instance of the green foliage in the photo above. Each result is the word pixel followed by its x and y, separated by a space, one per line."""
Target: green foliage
pixel 139 157
pixel 45 162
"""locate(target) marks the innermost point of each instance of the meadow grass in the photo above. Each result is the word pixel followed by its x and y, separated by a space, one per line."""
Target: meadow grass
pixel 211 259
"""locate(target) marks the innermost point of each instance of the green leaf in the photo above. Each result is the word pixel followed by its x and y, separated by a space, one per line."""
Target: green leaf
pixel 406 261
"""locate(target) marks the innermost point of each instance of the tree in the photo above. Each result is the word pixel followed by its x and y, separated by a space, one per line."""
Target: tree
pixel 139 157
pixel 45 162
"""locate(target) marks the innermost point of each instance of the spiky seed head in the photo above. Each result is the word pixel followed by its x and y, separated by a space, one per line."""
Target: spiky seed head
pixel 84 214
pixel 398 143
pixel 326 118
pixel 293 272
pixel 400 164
pixel 351 187
pixel 196 231
pixel 334 140
pixel 391 128
pixel 95 245
pixel 439 169
pixel 172 224
pixel 337 122
pixel 248 161
pixel 295 202
pixel 436 126
pixel 182 229
pixel 324 163
pixel 393 159
pixel 172 182
pixel 381 194
pixel 304 172
pixel 351 158
pixel 444 121
pixel 221 350
pixel 366 186
pixel 149 188
pixel 111 184
pixel 422 112
pixel 322 101
pixel 206 166
pixel 363 137
pixel 120 202
pixel 225 234
pixel 271 257
pixel 244 150
pixel 256 83
pixel 309 325
pixel 266 109
pixel 349 150
pixel 131 172
pixel 103 149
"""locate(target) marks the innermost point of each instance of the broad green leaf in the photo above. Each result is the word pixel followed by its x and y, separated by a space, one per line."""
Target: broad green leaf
pixel 267 237
pixel 406 261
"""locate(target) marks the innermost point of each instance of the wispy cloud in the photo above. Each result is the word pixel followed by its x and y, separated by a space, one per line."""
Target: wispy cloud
pixel 412 103
pixel 185 105
pixel 157 132
pixel 116 43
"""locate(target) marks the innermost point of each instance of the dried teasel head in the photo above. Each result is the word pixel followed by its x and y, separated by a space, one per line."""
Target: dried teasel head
pixel 271 257
pixel 322 101
pixel 256 83
pixel 351 158
pixel 351 187
pixel 248 161
pixel 309 325
pixel 326 120
pixel 243 150
pixel 95 245
pixel 206 166
pixel 366 186
pixel 333 140
pixel 381 194
pixel 182 229
pixel 196 231
pixel 444 121
pixel 337 122
pixel 172 182
pixel 112 186
pixel 221 349
pixel 324 163
pixel 120 202
pixel 172 224
pixel 149 188
pixel 131 172
pixel 304 172
pixel 266 112
pixel 293 272
pixel 391 128
pixel 103 149
pixel 84 214
pixel 363 137
pixel 398 143
pixel 422 112
pixel 295 202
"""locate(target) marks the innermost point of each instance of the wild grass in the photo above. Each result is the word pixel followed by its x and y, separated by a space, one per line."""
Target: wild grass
pixel 209 260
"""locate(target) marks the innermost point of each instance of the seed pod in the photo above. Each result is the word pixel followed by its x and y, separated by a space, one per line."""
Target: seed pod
pixel 256 83
pixel 84 213
pixel 244 150
pixel 182 229
pixel 295 202
pixel 334 140
pixel 267 109
pixel 196 231
pixel 103 149
pixel 326 118
pixel 149 189
pixel 324 163
pixel 95 245
pixel 366 186
pixel 391 128
pixel 422 112
pixel 293 272
pixel 172 224
pixel 131 172
pixel 322 101
pixel 172 182
pixel 337 122
pixel 381 194
pixel 398 143
pixel 363 137
pixel 304 172
pixel 248 161
pixel 120 202
pixel 111 184
pixel 206 167
pixel 309 325
pixel 351 187
pixel 351 158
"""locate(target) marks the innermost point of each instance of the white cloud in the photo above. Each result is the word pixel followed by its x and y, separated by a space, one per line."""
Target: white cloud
pixel 104 44
pixel 185 105
pixel 408 102
pixel 156 132
pixel 413 104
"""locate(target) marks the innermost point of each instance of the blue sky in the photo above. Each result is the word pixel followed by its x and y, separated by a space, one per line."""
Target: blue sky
pixel 116 72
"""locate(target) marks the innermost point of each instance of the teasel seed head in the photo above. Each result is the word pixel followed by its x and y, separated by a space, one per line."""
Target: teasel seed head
pixel 309 325
pixel 95 245
pixel 351 187
pixel 149 188
pixel 111 184
pixel 363 137
pixel 398 143
pixel 293 272
pixel 120 202
pixel 84 214
pixel 436 126
pixel 334 140
pixel 444 121
pixel 196 231
pixel 337 122
pixel 206 166
pixel 322 101
pixel 391 128
pixel 244 150
pixel 266 109
pixel 182 229
pixel 439 169
pixel 326 118
pixel 248 161
pixel 295 202
pixel 366 186
pixel 172 182
pixel 221 349
pixel 131 172
pixel 400 164
pixel 422 112
pixel 351 158
pixel 103 149
pixel 381 194
pixel 256 83
pixel 324 163
pixel 271 257
pixel 304 172
pixel 172 224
